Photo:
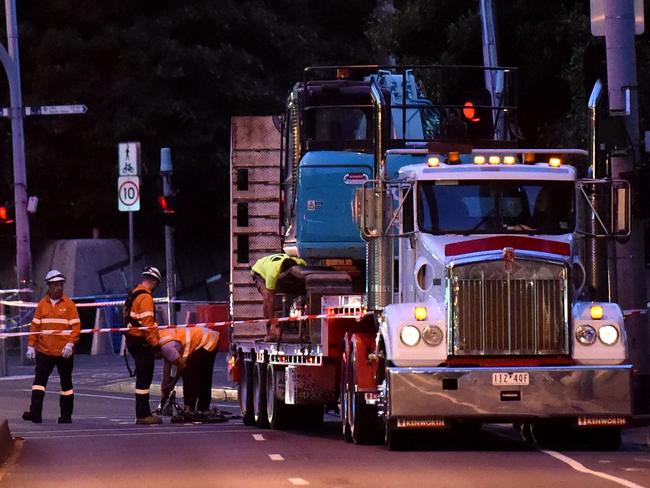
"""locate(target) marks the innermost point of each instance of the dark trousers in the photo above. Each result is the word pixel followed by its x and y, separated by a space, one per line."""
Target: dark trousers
pixel 44 366
pixel 197 380
pixel 144 356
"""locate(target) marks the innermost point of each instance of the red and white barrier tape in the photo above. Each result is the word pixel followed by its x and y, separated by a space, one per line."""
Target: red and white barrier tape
pixel 113 303
pixel 633 312
pixel 209 325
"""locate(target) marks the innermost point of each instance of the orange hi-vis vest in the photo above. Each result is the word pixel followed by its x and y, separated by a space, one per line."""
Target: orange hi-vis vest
pixel 143 311
pixel 61 317
pixel 191 339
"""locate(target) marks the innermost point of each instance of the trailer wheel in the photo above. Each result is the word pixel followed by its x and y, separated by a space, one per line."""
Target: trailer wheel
pixel 259 395
pixel 362 417
pixel 277 411
pixel 245 393
pixel 343 389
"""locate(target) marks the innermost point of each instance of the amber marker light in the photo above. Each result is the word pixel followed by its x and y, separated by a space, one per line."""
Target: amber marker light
pixel 529 158
pixel 479 159
pixel 596 312
pixel 454 157
pixel 420 313
pixel 433 162
pixel 555 162
pixel 509 160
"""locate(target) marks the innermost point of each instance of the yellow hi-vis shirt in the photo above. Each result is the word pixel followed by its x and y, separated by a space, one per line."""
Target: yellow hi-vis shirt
pixel 268 268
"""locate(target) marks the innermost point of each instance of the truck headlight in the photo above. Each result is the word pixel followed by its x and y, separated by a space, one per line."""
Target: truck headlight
pixel 410 335
pixel 586 334
pixel 432 335
pixel 608 334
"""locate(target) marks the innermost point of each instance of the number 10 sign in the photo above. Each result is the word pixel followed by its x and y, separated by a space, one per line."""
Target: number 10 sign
pixel 128 193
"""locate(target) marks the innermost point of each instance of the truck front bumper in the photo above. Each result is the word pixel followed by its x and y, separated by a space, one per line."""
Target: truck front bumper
pixel 558 391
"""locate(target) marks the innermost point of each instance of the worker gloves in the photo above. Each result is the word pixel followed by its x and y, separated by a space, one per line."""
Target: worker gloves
pixel 67 350
pixel 30 353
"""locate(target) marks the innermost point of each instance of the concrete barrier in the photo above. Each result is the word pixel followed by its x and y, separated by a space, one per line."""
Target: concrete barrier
pixel 6 441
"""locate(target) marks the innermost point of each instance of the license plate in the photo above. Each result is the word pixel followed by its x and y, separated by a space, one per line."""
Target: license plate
pixel 510 379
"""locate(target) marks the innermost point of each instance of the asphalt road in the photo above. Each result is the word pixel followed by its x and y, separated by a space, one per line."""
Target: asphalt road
pixel 104 448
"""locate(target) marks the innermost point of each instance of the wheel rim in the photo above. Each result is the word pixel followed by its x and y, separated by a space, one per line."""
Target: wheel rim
pixel 243 392
pixel 256 394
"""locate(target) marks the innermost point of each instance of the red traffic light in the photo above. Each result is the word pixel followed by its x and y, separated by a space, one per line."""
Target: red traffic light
pixel 167 204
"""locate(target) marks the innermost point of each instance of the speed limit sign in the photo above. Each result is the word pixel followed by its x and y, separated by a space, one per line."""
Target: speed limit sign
pixel 128 193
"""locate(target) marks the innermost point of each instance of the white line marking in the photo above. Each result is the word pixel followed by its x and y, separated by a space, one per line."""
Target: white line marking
pixel 131 434
pixel 113 428
pixel 258 437
pixel 582 469
pixel 298 481
pixel 633 469
pixel 605 461
pixel 21 377
pixel 129 398
pixel 276 457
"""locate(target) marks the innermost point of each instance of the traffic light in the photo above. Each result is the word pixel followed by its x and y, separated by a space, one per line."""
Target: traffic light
pixel 167 204
pixel 7 213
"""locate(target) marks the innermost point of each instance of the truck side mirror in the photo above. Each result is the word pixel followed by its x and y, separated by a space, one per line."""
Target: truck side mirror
pixel 370 207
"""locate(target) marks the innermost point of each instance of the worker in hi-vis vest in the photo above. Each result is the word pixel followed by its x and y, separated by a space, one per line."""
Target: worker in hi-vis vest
pixel 56 312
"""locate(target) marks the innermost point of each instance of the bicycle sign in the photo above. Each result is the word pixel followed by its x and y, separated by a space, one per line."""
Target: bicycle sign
pixel 128 193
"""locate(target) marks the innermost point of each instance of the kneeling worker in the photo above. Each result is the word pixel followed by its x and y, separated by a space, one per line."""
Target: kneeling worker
pixel 192 351
pixel 54 312
pixel 266 272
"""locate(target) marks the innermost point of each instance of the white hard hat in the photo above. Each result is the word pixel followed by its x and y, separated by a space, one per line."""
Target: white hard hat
pixel 152 272
pixel 54 275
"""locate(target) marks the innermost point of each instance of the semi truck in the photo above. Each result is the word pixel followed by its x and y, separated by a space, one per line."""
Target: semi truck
pixel 446 284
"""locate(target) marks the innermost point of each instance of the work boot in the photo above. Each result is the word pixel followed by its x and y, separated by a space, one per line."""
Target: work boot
pixel 66 405
pixel 28 416
pixel 64 420
pixel 36 407
pixel 150 420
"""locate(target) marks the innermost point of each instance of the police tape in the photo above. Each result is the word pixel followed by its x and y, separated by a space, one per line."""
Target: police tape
pixel 113 303
pixel 208 325
pixel 633 312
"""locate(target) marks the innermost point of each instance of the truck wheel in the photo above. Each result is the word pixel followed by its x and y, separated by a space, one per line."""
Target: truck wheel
pixel 245 393
pixel 394 439
pixel 343 394
pixel 606 439
pixel 259 395
pixel 277 411
pixel 362 417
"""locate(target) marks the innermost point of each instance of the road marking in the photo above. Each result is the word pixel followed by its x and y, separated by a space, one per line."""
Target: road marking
pixel 582 469
pixel 258 437
pixel 21 377
pixel 131 434
pixel 113 428
pixel 276 457
pixel 298 481
pixel 129 398
pixel 633 469
pixel 605 461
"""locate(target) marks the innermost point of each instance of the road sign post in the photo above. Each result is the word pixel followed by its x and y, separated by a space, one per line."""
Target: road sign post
pixel 128 188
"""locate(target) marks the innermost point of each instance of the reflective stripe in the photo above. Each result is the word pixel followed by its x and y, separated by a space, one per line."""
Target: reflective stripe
pixel 56 321
pixel 38 387
pixel 214 337
pixel 164 340
pixel 36 321
pixel 66 393
pixel 74 321
pixel 141 392
pixel 141 315
pixel 188 335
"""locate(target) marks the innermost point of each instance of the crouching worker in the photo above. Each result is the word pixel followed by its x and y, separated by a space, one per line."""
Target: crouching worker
pixel 192 350
pixel 266 272
pixel 54 312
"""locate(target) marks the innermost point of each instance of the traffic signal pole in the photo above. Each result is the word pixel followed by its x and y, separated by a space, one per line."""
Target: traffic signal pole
pixel 166 170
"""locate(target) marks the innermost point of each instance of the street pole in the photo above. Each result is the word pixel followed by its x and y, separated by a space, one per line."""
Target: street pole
pixel 166 170
pixel 131 246
pixel 622 87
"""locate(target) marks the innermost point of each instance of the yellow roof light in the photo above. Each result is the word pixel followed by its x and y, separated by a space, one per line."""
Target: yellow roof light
pixel 509 160
pixel 420 313
pixel 479 159
pixel 555 162
pixel 596 312
pixel 529 158
pixel 433 162
pixel 494 160
pixel 454 157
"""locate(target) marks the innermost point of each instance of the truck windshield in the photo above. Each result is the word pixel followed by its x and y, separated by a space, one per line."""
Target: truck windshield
pixel 496 207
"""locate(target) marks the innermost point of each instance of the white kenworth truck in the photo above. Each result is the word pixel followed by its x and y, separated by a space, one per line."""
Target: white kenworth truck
pixel 491 320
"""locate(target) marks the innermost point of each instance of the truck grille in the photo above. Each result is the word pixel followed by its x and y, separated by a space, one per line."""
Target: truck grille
pixel 523 312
